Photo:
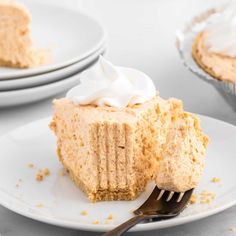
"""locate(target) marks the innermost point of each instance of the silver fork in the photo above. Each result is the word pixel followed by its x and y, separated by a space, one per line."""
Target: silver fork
pixel 160 205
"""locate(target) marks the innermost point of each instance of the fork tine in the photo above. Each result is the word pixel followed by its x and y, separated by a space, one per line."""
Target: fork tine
pixel 187 195
pixel 155 193
pixel 170 195
pixel 164 202
pixel 180 196
pixel 160 194
pixel 173 205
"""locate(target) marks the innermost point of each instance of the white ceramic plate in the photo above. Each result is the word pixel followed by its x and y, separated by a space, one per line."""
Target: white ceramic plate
pixel 72 35
pixel 56 200
pixel 29 95
pixel 6 85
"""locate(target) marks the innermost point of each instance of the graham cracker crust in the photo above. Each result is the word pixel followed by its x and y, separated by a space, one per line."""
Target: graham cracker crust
pixel 127 194
pixel 10 64
pixel 197 57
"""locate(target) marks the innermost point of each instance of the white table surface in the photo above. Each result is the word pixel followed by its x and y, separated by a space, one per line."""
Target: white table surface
pixel 142 35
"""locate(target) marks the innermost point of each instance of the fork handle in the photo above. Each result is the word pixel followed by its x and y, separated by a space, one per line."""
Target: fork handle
pixel 119 230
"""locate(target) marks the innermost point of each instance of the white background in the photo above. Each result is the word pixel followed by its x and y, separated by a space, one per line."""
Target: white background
pixel 141 35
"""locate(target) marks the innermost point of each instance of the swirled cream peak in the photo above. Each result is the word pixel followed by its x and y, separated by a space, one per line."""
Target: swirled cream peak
pixel 221 32
pixel 108 85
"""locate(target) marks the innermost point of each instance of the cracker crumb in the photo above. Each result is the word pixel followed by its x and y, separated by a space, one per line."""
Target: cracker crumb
pixel 84 213
pixel 46 172
pixel 215 180
pixel 193 199
pixel 232 229
pixel 42 174
pixel 96 222
pixel 39 205
pixel 31 165
pixel 207 197
pixel 39 176
pixel 110 217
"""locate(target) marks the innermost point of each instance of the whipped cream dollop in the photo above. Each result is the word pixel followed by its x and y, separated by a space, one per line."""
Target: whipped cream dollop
pixel 221 32
pixel 108 85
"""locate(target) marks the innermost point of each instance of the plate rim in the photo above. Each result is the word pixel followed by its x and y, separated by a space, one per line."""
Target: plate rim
pixel 103 228
pixel 47 68
pixel 43 86
pixel 76 66
pixel 38 93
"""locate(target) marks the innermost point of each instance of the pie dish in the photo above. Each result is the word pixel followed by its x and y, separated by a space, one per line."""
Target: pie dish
pixel 214 47
pixel 214 65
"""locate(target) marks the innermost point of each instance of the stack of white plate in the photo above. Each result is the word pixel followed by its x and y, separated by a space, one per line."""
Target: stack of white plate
pixel 76 41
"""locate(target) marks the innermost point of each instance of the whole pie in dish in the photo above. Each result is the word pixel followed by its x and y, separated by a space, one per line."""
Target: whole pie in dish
pixel 214 48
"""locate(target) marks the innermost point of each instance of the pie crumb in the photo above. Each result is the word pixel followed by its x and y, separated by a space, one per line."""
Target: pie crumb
pixel 193 199
pixel 96 222
pixel 31 165
pixel 207 197
pixel 215 180
pixel 110 217
pixel 84 213
pixel 46 172
pixel 39 176
pixel 39 205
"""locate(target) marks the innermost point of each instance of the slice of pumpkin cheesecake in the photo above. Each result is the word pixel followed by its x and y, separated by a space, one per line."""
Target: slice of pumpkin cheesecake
pixel 114 131
pixel 111 154
pixel 16 48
